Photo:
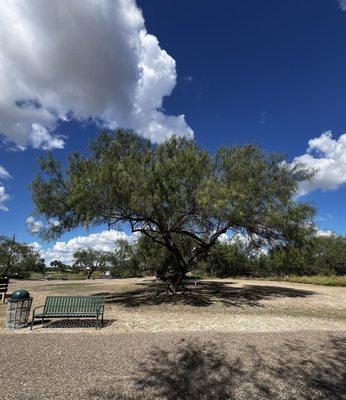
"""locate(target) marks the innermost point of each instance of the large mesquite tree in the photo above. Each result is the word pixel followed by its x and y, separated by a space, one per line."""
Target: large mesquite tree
pixel 175 193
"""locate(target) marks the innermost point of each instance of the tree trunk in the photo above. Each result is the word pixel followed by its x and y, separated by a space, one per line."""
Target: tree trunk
pixel 90 272
pixel 178 281
pixel 175 279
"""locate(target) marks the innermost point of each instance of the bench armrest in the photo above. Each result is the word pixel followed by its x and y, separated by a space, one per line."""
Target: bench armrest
pixel 37 307
pixel 33 315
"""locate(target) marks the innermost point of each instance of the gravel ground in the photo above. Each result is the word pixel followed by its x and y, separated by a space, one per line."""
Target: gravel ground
pixel 173 366
pixel 229 339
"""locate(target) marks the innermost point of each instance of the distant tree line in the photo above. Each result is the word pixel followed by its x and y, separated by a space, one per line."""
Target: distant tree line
pixel 324 255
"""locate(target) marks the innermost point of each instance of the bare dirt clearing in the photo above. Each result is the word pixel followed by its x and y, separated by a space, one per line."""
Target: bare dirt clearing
pixel 213 305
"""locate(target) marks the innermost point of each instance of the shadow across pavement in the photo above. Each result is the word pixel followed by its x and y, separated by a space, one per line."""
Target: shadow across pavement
pixel 202 371
pixel 203 294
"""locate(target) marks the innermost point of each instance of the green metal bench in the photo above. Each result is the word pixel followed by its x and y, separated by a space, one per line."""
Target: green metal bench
pixel 71 307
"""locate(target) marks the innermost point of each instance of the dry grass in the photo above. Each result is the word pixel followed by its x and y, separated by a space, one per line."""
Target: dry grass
pixel 140 304
pixel 325 280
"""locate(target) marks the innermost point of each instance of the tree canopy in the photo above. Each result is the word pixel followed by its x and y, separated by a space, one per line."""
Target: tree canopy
pixel 59 265
pixel 90 260
pixel 19 258
pixel 176 193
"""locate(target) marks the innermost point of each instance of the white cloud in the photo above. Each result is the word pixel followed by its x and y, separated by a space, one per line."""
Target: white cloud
pixel 63 251
pixel 3 195
pixel 40 138
pixel 254 244
pixel 328 157
pixel 3 173
pixel 342 4
pixel 34 226
pixel 321 232
pixel 36 246
pixel 91 60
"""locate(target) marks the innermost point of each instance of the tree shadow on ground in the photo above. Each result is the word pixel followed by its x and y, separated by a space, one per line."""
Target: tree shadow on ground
pixel 201 371
pixel 202 295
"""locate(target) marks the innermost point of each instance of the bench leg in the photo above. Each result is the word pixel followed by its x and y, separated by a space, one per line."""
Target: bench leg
pixel 97 321
pixel 32 320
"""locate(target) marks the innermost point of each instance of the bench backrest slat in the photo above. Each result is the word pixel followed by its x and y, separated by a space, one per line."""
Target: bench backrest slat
pixel 73 304
pixel 4 285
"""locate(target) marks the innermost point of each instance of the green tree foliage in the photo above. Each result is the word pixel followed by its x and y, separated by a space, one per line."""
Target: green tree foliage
pixel 290 260
pixel 19 259
pixel 140 257
pixel 330 254
pixel 228 259
pixel 231 258
pixel 125 261
pixel 59 266
pixel 175 193
pixel 321 255
pixel 90 260
pixel 157 259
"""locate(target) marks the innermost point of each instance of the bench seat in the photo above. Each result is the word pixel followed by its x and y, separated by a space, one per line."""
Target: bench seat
pixel 66 315
pixel 71 307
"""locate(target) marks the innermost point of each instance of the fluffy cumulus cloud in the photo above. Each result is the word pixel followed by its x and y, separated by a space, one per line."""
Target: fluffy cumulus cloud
pixel 63 251
pixel 89 60
pixel 326 156
pixel 40 138
pixel 3 195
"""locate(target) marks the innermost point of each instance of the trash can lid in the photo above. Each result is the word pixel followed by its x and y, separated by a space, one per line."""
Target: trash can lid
pixel 20 294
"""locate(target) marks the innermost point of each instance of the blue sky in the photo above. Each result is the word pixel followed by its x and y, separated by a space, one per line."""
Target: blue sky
pixel 232 72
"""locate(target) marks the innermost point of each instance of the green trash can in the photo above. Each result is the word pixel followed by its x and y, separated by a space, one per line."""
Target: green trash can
pixel 18 309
